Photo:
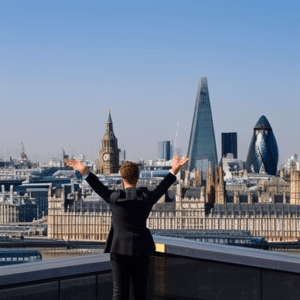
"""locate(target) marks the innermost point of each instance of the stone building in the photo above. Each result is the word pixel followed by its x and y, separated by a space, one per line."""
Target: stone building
pixel 219 186
pixel 109 153
pixel 8 213
pixel 265 209
pixel 22 205
pixel 8 209
pixel 295 185
pixel 69 218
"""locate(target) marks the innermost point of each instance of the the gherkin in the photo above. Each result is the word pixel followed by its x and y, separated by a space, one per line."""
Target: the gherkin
pixel 202 146
pixel 263 151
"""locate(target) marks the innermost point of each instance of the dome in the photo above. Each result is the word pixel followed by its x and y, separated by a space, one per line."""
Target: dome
pixel 263 123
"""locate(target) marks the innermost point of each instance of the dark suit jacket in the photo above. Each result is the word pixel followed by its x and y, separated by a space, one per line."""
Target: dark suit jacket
pixel 130 209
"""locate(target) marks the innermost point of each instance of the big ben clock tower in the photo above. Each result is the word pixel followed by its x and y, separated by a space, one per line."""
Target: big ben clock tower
pixel 109 153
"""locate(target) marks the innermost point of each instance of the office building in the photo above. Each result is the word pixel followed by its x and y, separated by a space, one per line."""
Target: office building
pixel 263 151
pixel 202 145
pixel 229 144
pixel 165 150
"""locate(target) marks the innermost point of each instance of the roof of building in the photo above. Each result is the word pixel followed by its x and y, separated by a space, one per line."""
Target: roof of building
pixel 263 123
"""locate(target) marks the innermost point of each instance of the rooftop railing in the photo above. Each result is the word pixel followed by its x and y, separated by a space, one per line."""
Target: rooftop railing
pixel 180 269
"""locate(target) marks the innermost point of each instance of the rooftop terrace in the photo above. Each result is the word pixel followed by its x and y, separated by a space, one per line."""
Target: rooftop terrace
pixel 180 269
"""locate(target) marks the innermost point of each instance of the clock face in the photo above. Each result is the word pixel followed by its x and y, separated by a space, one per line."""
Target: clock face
pixel 106 156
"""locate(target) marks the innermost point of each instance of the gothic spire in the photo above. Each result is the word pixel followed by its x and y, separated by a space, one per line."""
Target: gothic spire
pixel 109 124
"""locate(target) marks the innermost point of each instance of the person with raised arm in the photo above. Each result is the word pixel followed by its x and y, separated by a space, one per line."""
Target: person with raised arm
pixel 129 242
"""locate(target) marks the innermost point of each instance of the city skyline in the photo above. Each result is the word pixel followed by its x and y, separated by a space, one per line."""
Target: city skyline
pixel 64 65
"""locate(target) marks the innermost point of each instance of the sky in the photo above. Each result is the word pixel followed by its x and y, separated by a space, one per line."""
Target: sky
pixel 65 64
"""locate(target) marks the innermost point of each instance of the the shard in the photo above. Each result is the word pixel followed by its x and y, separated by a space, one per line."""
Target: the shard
pixel 202 146
pixel 263 151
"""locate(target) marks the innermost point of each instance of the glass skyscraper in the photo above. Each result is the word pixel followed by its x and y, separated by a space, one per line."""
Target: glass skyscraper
pixel 229 143
pixel 202 145
pixel 263 151
pixel 165 150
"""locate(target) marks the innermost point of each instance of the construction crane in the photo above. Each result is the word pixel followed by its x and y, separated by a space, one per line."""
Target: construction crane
pixel 23 156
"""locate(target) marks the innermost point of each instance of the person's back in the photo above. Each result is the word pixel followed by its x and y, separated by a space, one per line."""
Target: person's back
pixel 129 218
pixel 130 241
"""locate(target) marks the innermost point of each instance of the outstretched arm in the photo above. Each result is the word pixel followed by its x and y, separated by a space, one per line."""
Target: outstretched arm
pixel 92 179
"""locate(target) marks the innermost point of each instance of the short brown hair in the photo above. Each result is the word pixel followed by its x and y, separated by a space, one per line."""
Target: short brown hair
pixel 130 172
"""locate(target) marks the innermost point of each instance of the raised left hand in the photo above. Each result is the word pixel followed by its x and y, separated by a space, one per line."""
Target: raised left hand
pixel 76 164
pixel 177 163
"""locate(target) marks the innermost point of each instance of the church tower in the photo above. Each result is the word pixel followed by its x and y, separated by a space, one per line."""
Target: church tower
pixel 109 153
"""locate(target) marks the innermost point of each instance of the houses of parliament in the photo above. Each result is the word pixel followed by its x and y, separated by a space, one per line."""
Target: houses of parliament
pixel 201 199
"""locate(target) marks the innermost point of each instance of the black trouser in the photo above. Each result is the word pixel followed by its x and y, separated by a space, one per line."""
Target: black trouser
pixel 129 273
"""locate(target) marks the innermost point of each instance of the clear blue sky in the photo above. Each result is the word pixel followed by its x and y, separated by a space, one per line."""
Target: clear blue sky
pixel 64 64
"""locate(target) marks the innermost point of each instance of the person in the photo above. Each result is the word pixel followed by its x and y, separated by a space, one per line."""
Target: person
pixel 129 242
